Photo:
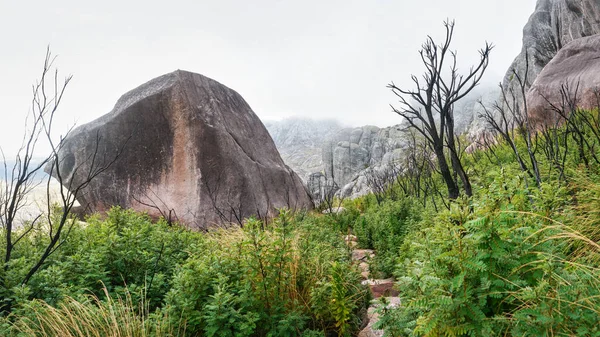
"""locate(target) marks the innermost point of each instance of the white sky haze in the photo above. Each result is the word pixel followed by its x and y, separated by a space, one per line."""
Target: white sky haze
pixel 315 59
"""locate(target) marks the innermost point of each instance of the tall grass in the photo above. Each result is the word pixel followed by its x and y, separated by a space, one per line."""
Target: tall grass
pixel 586 208
pixel 94 317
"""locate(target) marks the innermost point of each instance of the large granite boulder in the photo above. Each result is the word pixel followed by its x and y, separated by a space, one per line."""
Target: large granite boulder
pixel 553 24
pixel 191 147
pixel 575 67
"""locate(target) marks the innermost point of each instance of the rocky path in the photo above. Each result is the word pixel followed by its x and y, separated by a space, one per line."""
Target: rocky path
pixel 379 287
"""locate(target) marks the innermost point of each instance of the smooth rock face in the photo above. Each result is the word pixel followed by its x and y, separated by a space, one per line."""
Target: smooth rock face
pixel 553 24
pixel 577 67
pixel 191 146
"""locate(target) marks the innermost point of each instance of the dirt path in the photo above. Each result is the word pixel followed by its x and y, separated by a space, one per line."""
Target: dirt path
pixel 379 287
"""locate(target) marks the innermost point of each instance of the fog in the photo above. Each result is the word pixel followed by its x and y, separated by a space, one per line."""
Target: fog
pixel 314 59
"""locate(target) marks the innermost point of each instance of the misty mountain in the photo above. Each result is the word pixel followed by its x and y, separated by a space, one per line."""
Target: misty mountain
pixel 345 154
pixel 300 142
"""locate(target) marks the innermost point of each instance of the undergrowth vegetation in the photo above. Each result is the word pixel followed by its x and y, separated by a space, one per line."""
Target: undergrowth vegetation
pixel 519 258
pixel 516 253
pixel 128 276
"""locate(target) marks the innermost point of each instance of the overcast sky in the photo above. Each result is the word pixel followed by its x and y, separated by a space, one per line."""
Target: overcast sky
pixel 316 59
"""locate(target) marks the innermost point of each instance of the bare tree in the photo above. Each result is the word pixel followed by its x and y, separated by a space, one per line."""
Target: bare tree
pixel 229 209
pixel 510 117
pixel 380 179
pixel 579 125
pixel 554 138
pixel 416 175
pixel 429 108
pixel 23 177
pixel 323 191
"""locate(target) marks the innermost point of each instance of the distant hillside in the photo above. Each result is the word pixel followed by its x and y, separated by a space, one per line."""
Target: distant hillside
pixel 8 167
pixel 344 154
pixel 36 200
pixel 300 142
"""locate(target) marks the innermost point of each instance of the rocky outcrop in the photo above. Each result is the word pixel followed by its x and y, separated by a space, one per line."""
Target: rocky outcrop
pixel 348 153
pixel 300 142
pixel 576 67
pixel 553 25
pixel 470 109
pixel 191 147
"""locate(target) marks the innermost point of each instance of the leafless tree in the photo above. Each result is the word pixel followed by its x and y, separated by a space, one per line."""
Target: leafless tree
pixel 579 125
pixel 22 177
pixel 429 108
pixel 322 190
pixel 380 179
pixel 509 117
pixel 417 174
pixel 488 140
pixel 229 209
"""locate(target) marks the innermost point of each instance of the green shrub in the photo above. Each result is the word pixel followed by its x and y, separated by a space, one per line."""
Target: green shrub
pixel 125 250
pixel 383 228
pixel 272 280
pixel 276 279
pixel 493 267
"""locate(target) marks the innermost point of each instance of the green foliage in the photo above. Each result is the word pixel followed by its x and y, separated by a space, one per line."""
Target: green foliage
pixel 226 316
pixel 491 270
pixel 341 302
pixel 383 228
pixel 255 281
pixel 280 281
pixel 517 259
pixel 90 317
pixel 126 249
pixel 344 221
